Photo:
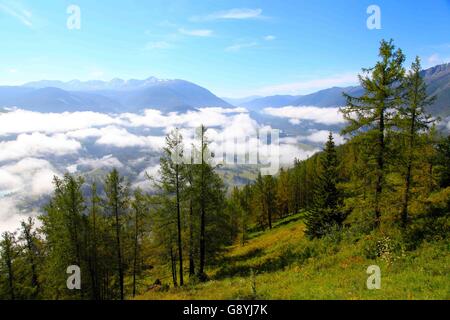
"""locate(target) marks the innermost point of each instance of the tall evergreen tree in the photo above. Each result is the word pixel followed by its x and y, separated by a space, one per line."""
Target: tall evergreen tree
pixel 117 201
pixel 139 207
pixel 372 114
pixel 173 183
pixel 8 254
pixel 325 213
pixel 210 196
pixel 443 161
pixel 413 120
pixel 30 238
pixel 94 211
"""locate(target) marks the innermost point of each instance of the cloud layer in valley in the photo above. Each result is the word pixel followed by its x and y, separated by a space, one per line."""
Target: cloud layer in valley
pixel 36 146
pixel 296 114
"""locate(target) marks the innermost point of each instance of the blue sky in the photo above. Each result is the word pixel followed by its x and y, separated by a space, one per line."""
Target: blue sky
pixel 233 48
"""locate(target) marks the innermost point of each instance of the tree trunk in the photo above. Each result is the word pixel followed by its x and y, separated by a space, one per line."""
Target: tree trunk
pixel 202 214
pixel 380 164
pixel 173 264
pixel 119 253
pixel 191 240
pixel 10 274
pixel 135 250
pixel 408 177
pixel 180 248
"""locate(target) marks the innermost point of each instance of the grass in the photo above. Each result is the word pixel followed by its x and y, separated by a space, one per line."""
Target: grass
pixel 283 264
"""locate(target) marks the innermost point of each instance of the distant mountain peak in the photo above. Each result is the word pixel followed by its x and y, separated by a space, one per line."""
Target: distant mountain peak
pixel 116 95
pixel 97 85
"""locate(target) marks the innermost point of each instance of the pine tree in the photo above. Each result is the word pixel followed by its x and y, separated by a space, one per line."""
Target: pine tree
pixel 267 197
pixel 443 161
pixel 139 208
pixel 282 193
pixel 202 182
pixel 94 211
pixel 372 114
pixel 325 213
pixel 413 120
pixel 8 254
pixel 30 238
pixel 64 231
pixel 173 183
pixel 117 201
pixel 190 195
pixel 209 193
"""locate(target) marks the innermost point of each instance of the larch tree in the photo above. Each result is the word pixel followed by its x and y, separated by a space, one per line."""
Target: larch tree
pixel 117 202
pixel 372 114
pixel 139 207
pixel 325 213
pixel 413 122
pixel 173 183
pixel 8 254
pixel 30 239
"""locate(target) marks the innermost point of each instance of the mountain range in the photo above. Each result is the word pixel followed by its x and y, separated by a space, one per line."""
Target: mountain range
pixel 133 95
pixel 114 96
pixel 437 79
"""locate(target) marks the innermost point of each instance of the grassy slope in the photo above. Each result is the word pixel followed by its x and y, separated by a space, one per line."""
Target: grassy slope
pixel 289 266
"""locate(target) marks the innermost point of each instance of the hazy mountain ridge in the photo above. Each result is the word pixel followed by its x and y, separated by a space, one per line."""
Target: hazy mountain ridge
pixel 116 95
pixel 437 79
pixel 133 95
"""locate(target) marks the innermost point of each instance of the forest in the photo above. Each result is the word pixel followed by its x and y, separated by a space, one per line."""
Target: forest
pixel 387 188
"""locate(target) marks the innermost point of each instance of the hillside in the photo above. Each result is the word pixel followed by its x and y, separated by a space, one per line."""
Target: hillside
pixel 289 266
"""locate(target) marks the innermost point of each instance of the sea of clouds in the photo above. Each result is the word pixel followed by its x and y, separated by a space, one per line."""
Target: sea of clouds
pixel 35 146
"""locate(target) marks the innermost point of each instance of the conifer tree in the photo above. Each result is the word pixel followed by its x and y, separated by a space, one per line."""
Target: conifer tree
pixel 209 193
pixel 139 207
pixel 372 114
pixel 173 183
pixel 32 254
pixel 413 122
pixel 443 161
pixel 8 254
pixel 325 213
pixel 94 211
pixel 117 201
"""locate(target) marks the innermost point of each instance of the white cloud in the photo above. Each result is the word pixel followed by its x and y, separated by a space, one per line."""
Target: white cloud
pixel 37 144
pixel 269 38
pixel 238 46
pixel 196 32
pixel 22 121
pixel 27 180
pixel 10 216
pixel 108 161
pixel 209 117
pixel 142 180
pixel 156 45
pixel 435 59
pixel 328 116
pixel 321 136
pixel 17 11
pixel 288 152
pixel 232 14
pixel 121 138
pixel 33 176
